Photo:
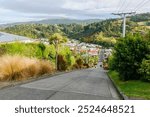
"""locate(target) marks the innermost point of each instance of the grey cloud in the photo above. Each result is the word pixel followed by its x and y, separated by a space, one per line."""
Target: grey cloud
pixel 62 8
pixel 47 6
pixel 33 6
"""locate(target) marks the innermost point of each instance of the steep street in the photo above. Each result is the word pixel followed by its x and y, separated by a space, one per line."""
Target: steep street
pixel 88 84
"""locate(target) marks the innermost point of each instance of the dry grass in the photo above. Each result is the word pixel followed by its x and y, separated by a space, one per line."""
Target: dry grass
pixel 19 68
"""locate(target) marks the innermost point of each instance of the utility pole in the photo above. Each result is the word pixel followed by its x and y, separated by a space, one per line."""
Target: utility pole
pixel 124 15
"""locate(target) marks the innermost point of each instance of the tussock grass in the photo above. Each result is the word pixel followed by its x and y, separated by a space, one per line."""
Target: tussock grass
pixel 19 68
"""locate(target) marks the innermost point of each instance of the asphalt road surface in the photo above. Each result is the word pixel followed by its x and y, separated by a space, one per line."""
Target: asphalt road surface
pixel 101 56
pixel 87 84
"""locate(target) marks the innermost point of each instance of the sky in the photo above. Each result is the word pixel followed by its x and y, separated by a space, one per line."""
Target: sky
pixel 33 10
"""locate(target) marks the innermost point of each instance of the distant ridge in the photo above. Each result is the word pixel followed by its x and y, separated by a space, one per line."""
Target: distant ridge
pixel 67 21
pixel 55 21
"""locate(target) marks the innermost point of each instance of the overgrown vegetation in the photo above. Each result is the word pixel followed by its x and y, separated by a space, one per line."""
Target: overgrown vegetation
pixel 34 55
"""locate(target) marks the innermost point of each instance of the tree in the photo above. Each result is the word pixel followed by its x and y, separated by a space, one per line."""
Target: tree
pixel 57 39
pixel 128 55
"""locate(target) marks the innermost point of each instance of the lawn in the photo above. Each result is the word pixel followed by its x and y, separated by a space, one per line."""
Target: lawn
pixel 132 89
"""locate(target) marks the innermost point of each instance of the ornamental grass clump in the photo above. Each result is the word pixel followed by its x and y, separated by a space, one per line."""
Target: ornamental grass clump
pixel 20 68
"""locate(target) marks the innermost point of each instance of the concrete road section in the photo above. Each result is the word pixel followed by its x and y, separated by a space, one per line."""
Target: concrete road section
pixel 87 84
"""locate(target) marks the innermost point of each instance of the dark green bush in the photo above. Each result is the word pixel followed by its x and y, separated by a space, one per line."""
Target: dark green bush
pixel 128 55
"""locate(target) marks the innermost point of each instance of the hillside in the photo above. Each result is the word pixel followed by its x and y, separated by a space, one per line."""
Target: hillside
pixel 141 17
pixel 55 21
pixel 104 32
pixel 67 21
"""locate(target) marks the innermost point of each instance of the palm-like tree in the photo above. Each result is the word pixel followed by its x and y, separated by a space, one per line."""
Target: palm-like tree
pixel 56 39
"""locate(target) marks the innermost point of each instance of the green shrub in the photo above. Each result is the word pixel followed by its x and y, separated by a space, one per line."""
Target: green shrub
pixel 145 70
pixel 128 55
pixel 35 50
pixel 68 56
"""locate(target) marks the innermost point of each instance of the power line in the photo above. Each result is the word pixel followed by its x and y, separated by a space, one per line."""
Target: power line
pixel 118 6
pixel 138 4
pixel 126 5
pixel 123 2
pixel 141 4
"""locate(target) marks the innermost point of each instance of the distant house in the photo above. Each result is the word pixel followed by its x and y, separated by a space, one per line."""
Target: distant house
pixel 93 51
pixel 72 46
pixel 90 49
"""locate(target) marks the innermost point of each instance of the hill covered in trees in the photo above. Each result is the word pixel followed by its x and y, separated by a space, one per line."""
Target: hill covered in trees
pixel 54 21
pixel 141 17
pixel 103 32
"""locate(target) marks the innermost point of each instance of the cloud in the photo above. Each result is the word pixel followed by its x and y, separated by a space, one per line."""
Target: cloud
pixel 33 6
pixel 80 9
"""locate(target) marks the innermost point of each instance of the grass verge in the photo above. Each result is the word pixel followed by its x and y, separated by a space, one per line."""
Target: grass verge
pixel 132 89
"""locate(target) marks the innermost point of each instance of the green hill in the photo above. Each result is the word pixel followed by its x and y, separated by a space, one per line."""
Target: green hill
pixel 103 32
pixel 140 17
pixel 67 21
pixel 54 21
